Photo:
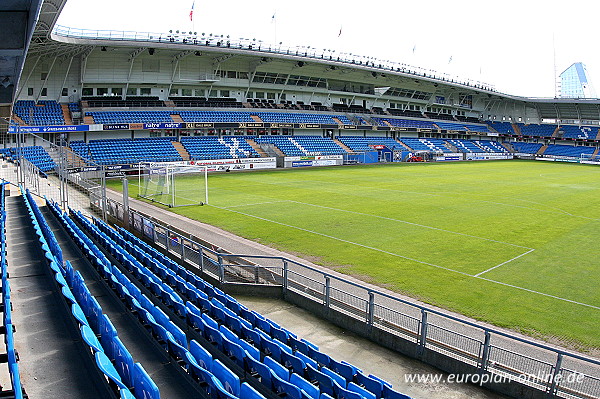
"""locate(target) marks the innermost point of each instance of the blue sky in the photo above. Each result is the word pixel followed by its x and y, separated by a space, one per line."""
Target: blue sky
pixel 508 44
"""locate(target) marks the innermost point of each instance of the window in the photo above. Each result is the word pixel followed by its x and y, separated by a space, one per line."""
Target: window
pixel 187 92
pixel 224 93
pixel 132 91
pixel 65 92
pixel 87 91
pixel 174 92
pixel 44 76
pixel 117 91
pixel 44 92
pixel 101 91
pixel 259 94
pixel 271 96
pixel 145 91
pixel 282 96
pixel 200 93
pixel 231 74
pixel 30 91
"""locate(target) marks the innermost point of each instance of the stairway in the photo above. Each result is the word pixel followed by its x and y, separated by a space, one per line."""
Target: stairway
pixel 181 150
pixel 517 129
pixel 177 118
pixel 541 150
pixel 346 148
pixel 556 133
pixel 170 104
pixel 509 147
pixel 256 118
pixel 89 120
pixel 336 120
pixel 595 153
pixel 20 121
pixel 66 114
pixel 598 135
pixel 257 148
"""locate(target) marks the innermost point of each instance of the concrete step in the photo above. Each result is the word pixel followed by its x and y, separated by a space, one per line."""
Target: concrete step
pixel 257 148
pixel 185 155
pixel 66 114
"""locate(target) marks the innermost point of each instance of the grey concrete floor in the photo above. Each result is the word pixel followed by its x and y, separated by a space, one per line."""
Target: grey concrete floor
pixel 364 354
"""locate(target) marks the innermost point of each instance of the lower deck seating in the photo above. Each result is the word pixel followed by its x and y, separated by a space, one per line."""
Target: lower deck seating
pixel 239 353
pixel 363 144
pixel 569 151
pixel 537 130
pixel 303 145
pixel 121 377
pixel 37 155
pixel 212 147
pixel 126 151
pixel 491 146
pixel 44 113
pixel 11 358
pixel 466 146
pixel 526 148
pixel 426 144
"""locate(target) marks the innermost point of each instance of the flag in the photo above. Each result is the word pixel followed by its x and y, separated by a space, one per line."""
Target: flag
pixel 192 11
pixel 414 48
pixel 273 17
pixel 340 34
pixel 450 60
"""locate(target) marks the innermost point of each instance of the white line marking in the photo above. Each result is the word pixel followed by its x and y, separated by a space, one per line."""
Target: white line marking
pixel 504 263
pixel 412 224
pixel 414 260
pixel 257 203
pixel 342 240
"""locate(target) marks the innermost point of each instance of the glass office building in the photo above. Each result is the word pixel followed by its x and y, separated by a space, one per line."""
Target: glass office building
pixel 575 82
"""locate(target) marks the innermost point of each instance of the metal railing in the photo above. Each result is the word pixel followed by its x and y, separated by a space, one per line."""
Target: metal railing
pixel 490 350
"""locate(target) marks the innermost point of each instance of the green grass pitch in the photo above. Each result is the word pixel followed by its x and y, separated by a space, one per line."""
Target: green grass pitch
pixel 513 243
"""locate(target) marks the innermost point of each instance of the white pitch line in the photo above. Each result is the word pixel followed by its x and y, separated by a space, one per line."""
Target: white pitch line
pixel 412 224
pixel 504 263
pixel 411 259
pixel 342 240
pixel 257 203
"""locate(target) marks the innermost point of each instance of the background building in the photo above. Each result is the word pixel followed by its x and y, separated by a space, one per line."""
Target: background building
pixel 575 82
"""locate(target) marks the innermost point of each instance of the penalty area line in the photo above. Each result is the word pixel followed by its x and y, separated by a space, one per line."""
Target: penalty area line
pixel 504 263
pixel 415 260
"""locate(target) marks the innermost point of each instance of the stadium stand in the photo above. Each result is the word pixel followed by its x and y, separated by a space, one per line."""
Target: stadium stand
pixel 111 357
pixel 466 146
pixel 125 151
pixel 491 146
pixel 130 116
pixel 117 101
pixel 502 127
pixel 362 144
pixel 426 144
pixel 45 112
pixel 407 123
pixel 579 132
pixel 281 117
pixel 193 102
pixel 211 147
pixel 303 145
pixel 11 358
pixel 537 130
pixel 526 148
pixel 569 151
pixel 216 116
pixel 234 342
pixel 37 155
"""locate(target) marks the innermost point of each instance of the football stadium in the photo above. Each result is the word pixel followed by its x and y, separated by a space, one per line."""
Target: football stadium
pixel 189 214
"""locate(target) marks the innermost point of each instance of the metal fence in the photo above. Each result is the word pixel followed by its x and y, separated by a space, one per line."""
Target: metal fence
pixel 559 373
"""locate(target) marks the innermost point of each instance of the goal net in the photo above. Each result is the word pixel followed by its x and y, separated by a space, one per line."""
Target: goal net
pixel 173 185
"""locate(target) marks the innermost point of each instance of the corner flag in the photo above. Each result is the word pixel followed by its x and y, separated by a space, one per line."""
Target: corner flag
pixel 192 11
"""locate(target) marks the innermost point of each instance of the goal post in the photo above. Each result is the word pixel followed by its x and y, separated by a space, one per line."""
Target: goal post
pixel 173 184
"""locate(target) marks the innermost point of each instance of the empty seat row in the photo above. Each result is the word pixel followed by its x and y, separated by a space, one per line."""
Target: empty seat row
pixel 11 357
pixel 123 378
pixel 275 355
